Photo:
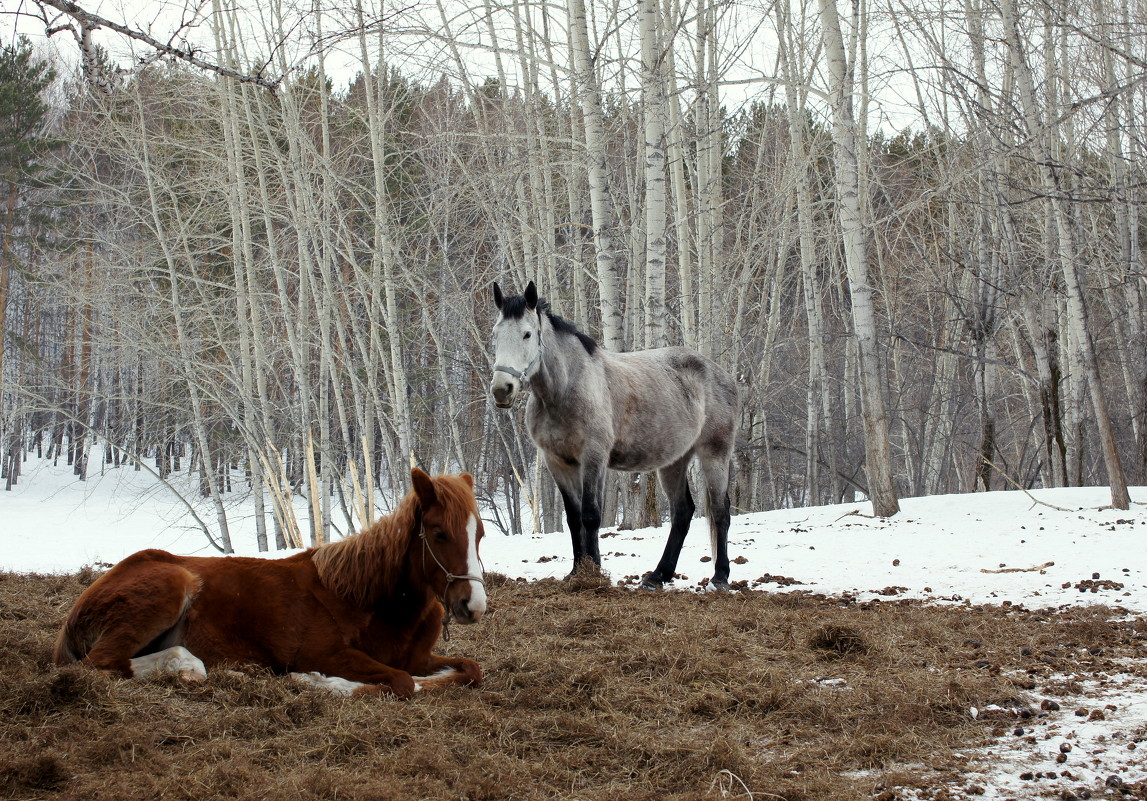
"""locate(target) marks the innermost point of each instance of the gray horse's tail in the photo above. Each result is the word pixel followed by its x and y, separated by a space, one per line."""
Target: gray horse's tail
pixel 718 506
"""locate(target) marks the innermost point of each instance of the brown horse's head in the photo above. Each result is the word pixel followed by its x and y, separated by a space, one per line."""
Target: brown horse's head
pixel 450 533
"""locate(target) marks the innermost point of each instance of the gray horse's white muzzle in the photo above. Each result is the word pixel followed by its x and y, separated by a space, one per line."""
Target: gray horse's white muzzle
pixel 503 389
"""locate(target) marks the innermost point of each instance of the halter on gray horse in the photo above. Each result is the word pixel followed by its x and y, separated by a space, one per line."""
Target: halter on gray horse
pixel 590 409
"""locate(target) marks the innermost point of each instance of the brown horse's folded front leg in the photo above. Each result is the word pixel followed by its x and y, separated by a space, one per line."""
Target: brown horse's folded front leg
pixel 443 670
pixel 355 665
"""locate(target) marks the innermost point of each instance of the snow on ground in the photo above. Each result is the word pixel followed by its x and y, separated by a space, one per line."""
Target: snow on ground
pixel 1049 548
pixel 1039 549
pixel 1089 744
pixel 937 547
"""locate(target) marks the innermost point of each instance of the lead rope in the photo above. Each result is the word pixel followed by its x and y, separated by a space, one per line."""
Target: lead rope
pixel 450 579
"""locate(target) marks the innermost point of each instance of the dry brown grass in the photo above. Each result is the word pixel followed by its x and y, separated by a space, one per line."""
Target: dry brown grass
pixel 592 692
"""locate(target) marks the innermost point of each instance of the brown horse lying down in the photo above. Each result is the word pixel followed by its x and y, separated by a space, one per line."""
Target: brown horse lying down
pixel 359 615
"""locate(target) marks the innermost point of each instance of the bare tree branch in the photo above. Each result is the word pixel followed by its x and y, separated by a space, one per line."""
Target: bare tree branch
pixel 89 22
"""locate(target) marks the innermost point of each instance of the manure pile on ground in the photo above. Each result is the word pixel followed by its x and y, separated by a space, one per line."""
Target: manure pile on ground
pixel 592 692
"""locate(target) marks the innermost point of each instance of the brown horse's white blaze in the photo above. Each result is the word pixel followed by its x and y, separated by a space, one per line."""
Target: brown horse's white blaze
pixel 356 616
pixel 474 606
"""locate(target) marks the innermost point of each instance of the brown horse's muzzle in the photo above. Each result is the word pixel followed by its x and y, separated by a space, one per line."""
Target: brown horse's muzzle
pixel 467 600
pixel 464 613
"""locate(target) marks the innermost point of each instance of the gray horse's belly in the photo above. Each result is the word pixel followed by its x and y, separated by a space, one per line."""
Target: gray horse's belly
pixel 643 457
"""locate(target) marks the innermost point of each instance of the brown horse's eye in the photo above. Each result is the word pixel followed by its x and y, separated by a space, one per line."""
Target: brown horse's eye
pixel 441 536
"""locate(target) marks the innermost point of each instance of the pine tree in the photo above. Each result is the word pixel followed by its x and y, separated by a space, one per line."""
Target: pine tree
pixel 23 147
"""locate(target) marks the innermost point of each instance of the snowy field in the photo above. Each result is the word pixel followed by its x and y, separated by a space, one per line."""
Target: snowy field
pixel 1049 548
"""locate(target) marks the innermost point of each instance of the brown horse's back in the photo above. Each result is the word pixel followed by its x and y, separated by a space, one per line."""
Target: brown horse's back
pixel 225 610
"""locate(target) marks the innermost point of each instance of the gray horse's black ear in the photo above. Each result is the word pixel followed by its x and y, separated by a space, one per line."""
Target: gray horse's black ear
pixel 531 296
pixel 497 295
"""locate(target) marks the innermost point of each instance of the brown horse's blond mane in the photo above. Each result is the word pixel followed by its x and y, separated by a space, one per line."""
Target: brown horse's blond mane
pixel 366 566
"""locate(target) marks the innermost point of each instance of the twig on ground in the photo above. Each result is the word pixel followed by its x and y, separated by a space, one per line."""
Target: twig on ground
pixel 854 513
pixel 1018 569
pixel 726 781
pixel 1013 482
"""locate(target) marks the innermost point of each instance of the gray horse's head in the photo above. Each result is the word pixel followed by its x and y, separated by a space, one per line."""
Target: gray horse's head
pixel 517 343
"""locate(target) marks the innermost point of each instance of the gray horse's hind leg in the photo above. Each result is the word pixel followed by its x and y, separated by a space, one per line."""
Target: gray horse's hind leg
pixel 675 482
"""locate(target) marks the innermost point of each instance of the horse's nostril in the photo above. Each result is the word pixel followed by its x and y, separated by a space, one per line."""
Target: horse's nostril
pixel 464 613
pixel 502 394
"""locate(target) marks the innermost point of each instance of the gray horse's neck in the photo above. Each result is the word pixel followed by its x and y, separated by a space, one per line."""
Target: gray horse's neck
pixel 551 381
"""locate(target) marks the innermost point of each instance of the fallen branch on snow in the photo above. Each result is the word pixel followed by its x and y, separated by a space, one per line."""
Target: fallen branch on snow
pixel 1013 482
pixel 1018 569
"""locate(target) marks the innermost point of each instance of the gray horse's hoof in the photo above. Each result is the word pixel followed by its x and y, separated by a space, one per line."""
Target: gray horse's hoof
pixel 719 585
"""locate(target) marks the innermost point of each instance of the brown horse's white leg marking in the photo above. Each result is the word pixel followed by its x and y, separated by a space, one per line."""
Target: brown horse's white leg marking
pixel 442 678
pixel 336 685
pixel 176 659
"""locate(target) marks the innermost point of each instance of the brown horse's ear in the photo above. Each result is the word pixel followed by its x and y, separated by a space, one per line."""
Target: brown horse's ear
pixel 497 295
pixel 469 479
pixel 531 296
pixel 423 488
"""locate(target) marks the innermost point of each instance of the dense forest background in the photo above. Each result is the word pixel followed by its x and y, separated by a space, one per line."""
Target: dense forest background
pixel 911 230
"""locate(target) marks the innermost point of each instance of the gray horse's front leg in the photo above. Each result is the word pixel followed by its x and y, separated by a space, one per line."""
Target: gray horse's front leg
pixel 568 479
pixel 573 520
pixel 720 512
pixel 593 494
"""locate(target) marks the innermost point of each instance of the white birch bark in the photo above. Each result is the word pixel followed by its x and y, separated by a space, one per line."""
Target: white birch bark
pixel 653 95
pixel 246 317
pixel 816 399
pixel 163 237
pixel 1067 253
pixel 878 458
pixel 601 207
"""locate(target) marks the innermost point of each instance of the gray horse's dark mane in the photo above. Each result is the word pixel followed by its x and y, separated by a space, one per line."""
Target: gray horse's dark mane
pixel 515 306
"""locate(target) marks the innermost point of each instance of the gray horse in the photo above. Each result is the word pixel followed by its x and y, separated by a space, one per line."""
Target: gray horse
pixel 590 409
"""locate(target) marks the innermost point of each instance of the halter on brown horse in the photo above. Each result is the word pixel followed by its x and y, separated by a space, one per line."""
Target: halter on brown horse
pixel 367 609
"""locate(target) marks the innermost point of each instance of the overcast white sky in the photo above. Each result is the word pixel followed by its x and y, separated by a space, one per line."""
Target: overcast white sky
pixel 747 37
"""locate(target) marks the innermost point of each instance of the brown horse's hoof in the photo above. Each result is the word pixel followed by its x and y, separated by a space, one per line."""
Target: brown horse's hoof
pixel 192 677
pixel 402 686
pixel 651 582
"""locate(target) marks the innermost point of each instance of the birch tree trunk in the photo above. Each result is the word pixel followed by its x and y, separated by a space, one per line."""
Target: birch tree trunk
pixel 601 207
pixel 653 94
pixel 163 236
pixel 816 401
pixel 1128 320
pixel 242 261
pixel 1067 252
pixel 878 459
